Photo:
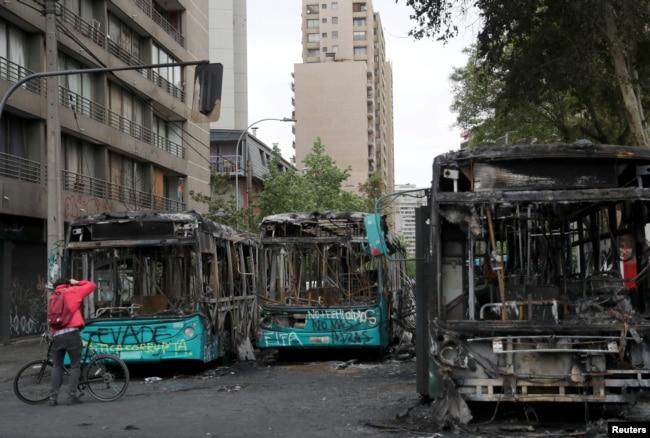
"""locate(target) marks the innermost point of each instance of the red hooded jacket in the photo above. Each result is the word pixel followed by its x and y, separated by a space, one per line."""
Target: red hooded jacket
pixel 74 296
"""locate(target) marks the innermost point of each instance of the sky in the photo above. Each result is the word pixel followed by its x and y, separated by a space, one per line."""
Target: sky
pixel 422 121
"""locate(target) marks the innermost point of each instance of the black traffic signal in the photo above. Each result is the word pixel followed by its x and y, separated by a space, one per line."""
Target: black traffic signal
pixel 206 104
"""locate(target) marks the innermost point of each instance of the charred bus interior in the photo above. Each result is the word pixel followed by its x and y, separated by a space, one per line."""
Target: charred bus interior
pixel 318 262
pixel 152 269
pixel 534 276
pixel 320 285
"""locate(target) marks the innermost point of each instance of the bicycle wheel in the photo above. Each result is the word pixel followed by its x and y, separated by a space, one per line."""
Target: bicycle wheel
pixel 106 377
pixel 32 382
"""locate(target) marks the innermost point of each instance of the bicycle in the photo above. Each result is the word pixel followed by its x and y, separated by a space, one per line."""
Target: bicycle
pixel 105 376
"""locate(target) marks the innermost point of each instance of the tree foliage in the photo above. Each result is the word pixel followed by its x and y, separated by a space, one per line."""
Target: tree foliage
pixel 576 68
pixel 318 189
pixel 372 189
pixel 222 205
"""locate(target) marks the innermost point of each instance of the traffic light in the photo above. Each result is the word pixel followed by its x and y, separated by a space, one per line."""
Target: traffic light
pixel 206 103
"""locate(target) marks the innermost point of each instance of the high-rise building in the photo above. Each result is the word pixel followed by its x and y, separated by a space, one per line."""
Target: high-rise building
pixel 228 46
pixel 343 89
pixel 87 143
pixel 405 213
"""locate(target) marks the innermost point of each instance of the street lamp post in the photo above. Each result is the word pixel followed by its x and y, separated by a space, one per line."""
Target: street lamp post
pixel 239 166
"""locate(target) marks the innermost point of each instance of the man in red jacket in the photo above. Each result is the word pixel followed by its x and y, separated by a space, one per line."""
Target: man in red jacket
pixel 68 339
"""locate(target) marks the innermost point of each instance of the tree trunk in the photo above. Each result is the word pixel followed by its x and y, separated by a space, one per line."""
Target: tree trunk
pixel 624 77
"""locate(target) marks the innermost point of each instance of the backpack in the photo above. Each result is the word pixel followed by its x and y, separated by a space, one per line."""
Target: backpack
pixel 59 314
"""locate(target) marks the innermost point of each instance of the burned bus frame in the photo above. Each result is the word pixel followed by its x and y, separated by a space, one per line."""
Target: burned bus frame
pixel 171 286
pixel 531 279
pixel 323 285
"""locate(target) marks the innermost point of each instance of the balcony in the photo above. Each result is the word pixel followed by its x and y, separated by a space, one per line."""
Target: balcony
pixel 15 167
pixel 92 31
pixel 133 199
pixel 94 111
pixel 227 164
pixel 14 73
pixel 19 168
pixel 160 20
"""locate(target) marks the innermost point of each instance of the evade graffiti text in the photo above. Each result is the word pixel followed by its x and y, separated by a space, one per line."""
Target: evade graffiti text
pixel 147 340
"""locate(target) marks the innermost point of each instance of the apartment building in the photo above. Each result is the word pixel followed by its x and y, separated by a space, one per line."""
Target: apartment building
pixel 80 144
pixel 404 207
pixel 343 89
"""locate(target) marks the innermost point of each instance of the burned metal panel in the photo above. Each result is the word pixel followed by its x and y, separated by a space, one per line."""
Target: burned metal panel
pixel 145 225
pixel 313 224
pixel 543 176
pixel 544 167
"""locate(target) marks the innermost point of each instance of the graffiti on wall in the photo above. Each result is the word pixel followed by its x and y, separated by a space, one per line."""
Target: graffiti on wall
pixel 28 308
pixel 78 205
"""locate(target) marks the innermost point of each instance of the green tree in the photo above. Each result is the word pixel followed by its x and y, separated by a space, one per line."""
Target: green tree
pixel 222 205
pixel 372 189
pixel 319 188
pixel 480 110
pixel 584 64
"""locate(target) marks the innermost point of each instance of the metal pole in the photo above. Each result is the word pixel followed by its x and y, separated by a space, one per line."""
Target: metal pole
pixel 237 161
pixel 55 219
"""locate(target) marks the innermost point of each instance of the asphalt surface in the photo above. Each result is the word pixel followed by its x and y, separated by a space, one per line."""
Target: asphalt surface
pixel 374 399
pixel 17 353
pixel 244 399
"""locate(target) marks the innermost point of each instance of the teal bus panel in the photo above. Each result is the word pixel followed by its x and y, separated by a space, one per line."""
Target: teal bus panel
pixel 323 328
pixel 153 339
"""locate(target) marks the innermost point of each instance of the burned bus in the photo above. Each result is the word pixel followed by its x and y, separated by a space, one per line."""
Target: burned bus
pixel 532 276
pixel 325 283
pixel 171 286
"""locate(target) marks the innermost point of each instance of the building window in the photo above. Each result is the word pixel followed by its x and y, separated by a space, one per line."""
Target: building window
pixel 335 5
pixel 168 136
pixel 335 20
pixel 312 9
pixel 79 157
pixel 324 6
pixel 359 7
pixel 359 22
pixel 359 36
pixel 313 53
pixel 79 89
pixel 359 50
pixel 13 47
pixel 172 75
pixel 335 49
pixel 324 20
pixel 174 18
pixel 13 139
pixel 313 38
pixel 324 35
pixel 335 34
pixel 129 109
pixel 123 39
pixel 324 49
pixel 312 24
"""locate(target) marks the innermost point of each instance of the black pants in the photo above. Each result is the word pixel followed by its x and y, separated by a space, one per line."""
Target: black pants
pixel 66 343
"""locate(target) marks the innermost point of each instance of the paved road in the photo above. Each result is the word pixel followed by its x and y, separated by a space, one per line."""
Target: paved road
pixel 251 399
pixel 247 399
